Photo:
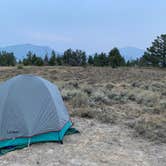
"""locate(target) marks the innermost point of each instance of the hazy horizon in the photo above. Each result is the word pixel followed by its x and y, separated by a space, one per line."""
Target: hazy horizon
pixel 93 26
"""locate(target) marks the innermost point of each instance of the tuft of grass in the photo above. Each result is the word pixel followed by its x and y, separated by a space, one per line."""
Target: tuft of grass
pixel 87 89
pixel 71 85
pixel 68 94
pixel 157 86
pixel 60 84
pixel 144 97
pixel 106 115
pixel 152 127
pixel 99 97
pixel 162 104
pixel 109 86
pixel 80 100
pixel 83 112
pixel 20 67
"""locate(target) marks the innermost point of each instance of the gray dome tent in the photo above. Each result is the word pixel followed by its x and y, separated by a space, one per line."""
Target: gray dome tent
pixel 31 110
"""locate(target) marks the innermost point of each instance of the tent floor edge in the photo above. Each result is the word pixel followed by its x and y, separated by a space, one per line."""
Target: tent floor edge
pixel 48 137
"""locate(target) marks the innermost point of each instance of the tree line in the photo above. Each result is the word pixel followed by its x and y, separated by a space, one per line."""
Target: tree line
pixel 155 55
pixel 76 58
pixel 70 58
pixel 7 59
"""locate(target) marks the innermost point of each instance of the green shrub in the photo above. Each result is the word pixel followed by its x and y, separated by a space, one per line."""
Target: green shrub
pixel 68 94
pixel 152 127
pixel 20 67
pixel 100 97
pixel 80 99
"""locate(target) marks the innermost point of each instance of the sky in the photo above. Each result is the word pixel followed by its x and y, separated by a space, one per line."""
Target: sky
pixel 90 25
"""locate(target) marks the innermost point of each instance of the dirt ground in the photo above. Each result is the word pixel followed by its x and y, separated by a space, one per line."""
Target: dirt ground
pixel 121 114
pixel 98 144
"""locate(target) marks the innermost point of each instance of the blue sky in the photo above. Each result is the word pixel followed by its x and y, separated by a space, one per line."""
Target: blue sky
pixel 91 25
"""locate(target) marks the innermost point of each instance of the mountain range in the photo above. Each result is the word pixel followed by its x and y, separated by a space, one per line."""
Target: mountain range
pixel 20 51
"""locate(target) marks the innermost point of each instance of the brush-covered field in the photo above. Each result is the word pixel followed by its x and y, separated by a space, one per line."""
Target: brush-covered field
pixel 121 114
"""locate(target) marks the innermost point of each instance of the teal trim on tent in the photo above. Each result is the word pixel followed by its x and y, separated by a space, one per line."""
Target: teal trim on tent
pixel 51 136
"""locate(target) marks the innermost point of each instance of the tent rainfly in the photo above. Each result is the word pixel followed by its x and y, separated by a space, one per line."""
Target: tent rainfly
pixel 31 111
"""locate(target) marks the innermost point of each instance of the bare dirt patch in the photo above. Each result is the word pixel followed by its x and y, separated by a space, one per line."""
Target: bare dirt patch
pixel 98 144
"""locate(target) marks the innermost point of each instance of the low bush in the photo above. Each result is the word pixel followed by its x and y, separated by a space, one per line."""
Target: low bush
pixel 20 67
pixel 144 97
pixel 152 127
pixel 80 100
pixel 87 89
pixel 68 94
pixel 100 97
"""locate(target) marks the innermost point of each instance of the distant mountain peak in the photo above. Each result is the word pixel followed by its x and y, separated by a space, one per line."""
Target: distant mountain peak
pixel 131 53
pixel 20 50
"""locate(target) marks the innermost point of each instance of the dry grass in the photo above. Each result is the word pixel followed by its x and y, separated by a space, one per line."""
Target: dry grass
pixel 132 96
pixel 152 127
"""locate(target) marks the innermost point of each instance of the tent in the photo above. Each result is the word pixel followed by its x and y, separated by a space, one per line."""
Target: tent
pixel 31 111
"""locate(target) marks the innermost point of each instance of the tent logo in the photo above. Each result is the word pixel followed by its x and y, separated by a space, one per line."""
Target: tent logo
pixel 12 131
